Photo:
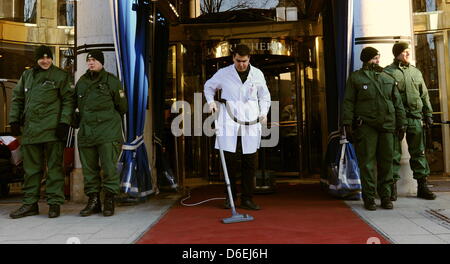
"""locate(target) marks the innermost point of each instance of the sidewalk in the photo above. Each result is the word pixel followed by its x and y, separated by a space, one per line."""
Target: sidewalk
pixel 412 221
pixel 125 227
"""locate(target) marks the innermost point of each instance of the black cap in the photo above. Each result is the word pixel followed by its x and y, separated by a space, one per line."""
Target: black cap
pixel 96 54
pixel 399 48
pixel 42 51
pixel 368 53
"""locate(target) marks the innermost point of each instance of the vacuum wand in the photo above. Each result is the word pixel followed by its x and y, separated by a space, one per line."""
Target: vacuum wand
pixel 235 217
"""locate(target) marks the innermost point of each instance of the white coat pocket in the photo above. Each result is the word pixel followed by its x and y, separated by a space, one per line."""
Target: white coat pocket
pixel 252 92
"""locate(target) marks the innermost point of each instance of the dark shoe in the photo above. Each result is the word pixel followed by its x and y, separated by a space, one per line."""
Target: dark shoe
pixel 93 206
pixel 53 211
pixel 370 205
pixel 394 192
pixel 386 203
pixel 249 205
pixel 108 206
pixel 423 191
pixel 25 210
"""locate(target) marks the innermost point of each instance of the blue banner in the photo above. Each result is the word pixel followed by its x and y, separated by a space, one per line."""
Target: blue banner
pixel 130 41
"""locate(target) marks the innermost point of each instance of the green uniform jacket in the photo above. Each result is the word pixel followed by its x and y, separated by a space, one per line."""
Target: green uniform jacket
pixel 373 97
pixel 412 89
pixel 41 100
pixel 102 103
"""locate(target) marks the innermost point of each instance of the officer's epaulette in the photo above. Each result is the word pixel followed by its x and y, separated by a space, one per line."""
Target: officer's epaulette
pixel 113 77
pixel 392 76
pixel 59 70
pixel 388 73
pixel 29 70
pixel 110 74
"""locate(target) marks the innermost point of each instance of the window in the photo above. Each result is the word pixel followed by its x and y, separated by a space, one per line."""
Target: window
pixel 66 13
pixel 214 6
pixel 66 61
pixel 427 5
pixel 18 10
pixel 15 58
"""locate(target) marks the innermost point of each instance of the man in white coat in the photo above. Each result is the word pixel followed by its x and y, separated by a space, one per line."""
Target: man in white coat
pixel 244 89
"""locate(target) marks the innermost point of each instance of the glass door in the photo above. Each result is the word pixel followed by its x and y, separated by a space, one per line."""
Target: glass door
pixel 430 60
pixel 283 159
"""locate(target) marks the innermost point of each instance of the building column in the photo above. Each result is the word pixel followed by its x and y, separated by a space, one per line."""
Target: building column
pixel 380 24
pixel 194 8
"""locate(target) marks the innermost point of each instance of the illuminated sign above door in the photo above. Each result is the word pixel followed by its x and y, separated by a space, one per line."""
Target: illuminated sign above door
pixel 257 46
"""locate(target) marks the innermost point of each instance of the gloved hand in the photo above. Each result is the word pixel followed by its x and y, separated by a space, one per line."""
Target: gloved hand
pixel 401 133
pixel 62 130
pixel 75 120
pixel 263 119
pixel 213 107
pixel 348 131
pixel 15 129
pixel 428 122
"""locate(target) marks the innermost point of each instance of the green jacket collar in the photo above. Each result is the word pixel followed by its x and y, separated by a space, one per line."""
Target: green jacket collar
pixel 100 77
pixel 400 64
pixel 37 69
pixel 372 67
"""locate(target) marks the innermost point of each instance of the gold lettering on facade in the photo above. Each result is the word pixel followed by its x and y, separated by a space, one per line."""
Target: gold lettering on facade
pixel 274 47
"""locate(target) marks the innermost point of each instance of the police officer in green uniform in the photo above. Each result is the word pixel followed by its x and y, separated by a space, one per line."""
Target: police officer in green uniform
pixel 101 102
pixel 372 108
pixel 42 103
pixel 417 105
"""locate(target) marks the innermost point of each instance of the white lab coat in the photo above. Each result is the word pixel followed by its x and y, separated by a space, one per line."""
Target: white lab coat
pixel 247 101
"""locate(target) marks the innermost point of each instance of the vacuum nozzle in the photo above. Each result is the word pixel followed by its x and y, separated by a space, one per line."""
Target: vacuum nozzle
pixel 238 218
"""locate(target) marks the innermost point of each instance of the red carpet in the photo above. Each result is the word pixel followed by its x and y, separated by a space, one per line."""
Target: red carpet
pixel 294 214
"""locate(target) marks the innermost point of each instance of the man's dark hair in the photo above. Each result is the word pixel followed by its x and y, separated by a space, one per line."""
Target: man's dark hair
pixel 241 49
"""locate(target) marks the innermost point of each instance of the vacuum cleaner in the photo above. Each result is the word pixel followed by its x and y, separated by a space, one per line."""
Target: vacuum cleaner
pixel 235 217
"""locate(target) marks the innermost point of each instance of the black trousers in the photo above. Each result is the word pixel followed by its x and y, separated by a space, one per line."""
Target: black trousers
pixel 248 170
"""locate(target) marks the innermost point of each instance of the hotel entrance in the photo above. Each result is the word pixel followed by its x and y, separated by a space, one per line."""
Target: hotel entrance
pixel 293 69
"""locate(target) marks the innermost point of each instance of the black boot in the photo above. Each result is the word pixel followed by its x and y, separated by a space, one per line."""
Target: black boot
pixel 370 205
pixel 386 203
pixel 423 191
pixel 53 211
pixel 93 206
pixel 394 191
pixel 249 205
pixel 25 210
pixel 108 206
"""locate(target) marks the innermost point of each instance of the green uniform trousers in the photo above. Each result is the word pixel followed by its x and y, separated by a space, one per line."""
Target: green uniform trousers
pixel 374 150
pixel 107 154
pixel 36 158
pixel 416 149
